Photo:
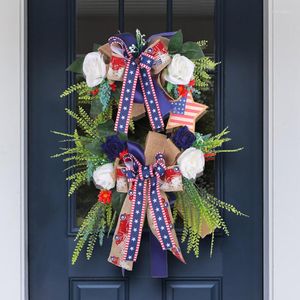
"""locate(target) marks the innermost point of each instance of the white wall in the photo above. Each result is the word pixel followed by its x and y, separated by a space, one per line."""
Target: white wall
pixel 284 148
pixel 282 155
pixel 12 227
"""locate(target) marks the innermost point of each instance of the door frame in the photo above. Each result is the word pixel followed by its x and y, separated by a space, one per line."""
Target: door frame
pixel 281 17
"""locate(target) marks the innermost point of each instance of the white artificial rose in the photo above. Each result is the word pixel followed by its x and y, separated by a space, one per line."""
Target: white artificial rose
pixel 180 70
pixel 104 177
pixel 191 163
pixel 94 69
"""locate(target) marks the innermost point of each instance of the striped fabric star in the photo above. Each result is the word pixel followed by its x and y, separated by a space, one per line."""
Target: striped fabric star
pixel 185 112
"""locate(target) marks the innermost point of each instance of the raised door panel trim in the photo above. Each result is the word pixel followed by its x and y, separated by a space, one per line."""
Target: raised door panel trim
pixel 95 289
pixel 196 289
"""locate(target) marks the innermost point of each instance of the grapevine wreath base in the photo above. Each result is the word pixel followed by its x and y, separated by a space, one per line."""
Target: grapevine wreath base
pixel 136 144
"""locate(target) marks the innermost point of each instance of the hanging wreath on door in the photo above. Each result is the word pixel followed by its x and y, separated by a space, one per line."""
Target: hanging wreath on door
pixel 138 102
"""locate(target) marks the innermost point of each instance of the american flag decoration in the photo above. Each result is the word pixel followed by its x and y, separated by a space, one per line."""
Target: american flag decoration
pixel 186 112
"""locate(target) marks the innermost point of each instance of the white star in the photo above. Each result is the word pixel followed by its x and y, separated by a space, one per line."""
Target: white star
pixel 154 200
pixel 140 184
pixel 162 227
pixel 153 192
pixel 134 229
pixel 121 126
pixel 122 117
pixel 146 84
pixel 125 108
pixel 156 118
pixel 126 98
pixel 133 63
pixel 153 110
pixel 137 212
pixel 151 101
pixel 131 72
pixel 136 221
pixel 139 202
pixel 148 92
pixel 159 218
pixel 129 257
pixel 165 237
pixel 133 239
pixel 144 75
pixel 157 209
pixel 168 245
pixel 139 193
pixel 148 61
pixel 131 248
pixel 129 81
pixel 128 90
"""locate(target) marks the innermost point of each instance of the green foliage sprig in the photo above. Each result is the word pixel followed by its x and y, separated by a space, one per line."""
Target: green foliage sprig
pixel 208 143
pixel 197 207
pixel 189 49
pixel 83 92
pixel 93 228
pixel 85 161
pixel 85 150
pixel 203 66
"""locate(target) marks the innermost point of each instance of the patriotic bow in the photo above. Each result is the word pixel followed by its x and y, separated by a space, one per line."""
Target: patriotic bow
pixel 137 69
pixel 144 196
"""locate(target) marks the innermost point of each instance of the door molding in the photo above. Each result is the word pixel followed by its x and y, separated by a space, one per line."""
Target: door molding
pixel 281 143
pixel 13 157
pixel 282 135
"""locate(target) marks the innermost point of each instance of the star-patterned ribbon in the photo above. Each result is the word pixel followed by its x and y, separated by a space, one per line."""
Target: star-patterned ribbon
pixel 137 69
pixel 145 186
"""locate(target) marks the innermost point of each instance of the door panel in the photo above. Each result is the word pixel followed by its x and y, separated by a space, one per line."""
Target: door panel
pixel 235 271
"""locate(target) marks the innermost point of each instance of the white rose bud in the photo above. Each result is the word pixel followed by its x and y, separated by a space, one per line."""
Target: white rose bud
pixel 191 163
pixel 180 70
pixel 94 69
pixel 104 177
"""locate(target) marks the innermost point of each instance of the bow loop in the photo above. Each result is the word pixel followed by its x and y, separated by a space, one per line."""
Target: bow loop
pixel 146 60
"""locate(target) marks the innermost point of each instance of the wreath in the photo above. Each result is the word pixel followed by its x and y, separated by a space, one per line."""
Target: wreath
pixel 138 101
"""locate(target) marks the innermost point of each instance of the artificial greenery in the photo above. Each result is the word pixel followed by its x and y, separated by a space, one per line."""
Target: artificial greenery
pixel 203 68
pixel 197 207
pixel 85 150
pixel 191 50
pixel 97 221
pixel 209 144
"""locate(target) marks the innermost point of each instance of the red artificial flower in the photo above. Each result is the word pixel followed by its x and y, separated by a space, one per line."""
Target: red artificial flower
pixel 182 90
pixel 95 92
pixel 105 196
pixel 210 156
pixel 113 86
pixel 123 153
pixel 192 82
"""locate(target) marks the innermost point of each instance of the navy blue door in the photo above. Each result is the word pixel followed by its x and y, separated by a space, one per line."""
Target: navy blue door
pixel 235 272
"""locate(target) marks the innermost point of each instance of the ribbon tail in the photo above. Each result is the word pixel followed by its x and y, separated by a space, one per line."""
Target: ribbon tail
pixel 136 221
pixel 121 232
pixel 127 96
pixel 162 224
pixel 151 101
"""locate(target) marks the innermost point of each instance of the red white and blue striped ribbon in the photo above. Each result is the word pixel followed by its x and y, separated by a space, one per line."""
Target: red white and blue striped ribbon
pixel 137 69
pixel 145 187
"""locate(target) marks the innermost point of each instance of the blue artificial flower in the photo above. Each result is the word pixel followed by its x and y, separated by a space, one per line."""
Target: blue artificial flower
pixel 113 146
pixel 183 138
